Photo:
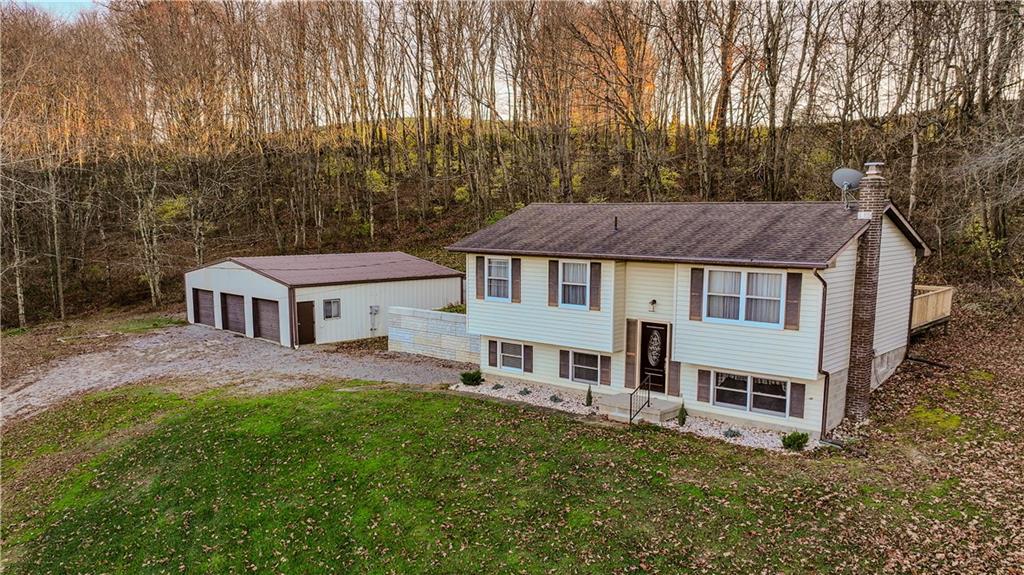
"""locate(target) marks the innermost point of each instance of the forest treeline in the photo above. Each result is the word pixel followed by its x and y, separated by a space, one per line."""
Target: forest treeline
pixel 149 137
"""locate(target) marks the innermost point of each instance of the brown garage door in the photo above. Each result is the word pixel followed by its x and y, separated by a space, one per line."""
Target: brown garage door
pixel 265 321
pixel 232 312
pixel 202 306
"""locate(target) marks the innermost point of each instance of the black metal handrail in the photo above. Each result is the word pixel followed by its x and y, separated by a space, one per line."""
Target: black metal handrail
pixel 635 400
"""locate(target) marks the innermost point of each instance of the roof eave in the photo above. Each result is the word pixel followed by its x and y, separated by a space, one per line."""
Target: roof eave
pixel 657 259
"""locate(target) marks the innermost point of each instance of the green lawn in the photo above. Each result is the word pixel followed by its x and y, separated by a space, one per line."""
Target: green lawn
pixel 141 480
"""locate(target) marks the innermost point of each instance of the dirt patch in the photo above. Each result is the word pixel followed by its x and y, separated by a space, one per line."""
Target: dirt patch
pixel 206 358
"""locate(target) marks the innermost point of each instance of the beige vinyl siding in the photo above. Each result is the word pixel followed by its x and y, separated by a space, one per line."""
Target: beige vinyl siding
pixel 647 281
pixel 619 313
pixel 534 320
pixel 229 277
pixel 895 278
pixel 839 309
pixel 356 322
pixel 751 349
pixel 810 422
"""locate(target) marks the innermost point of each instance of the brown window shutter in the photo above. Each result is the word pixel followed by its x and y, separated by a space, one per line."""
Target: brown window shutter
pixel 793 283
pixel 553 282
pixel 606 370
pixel 630 379
pixel 595 286
pixel 528 358
pixel 517 273
pixel 704 385
pixel 696 294
pixel 480 277
pixel 563 364
pixel 674 369
pixel 492 353
pixel 796 399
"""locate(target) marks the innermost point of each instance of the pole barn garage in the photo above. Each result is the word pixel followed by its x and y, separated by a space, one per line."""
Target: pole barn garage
pixel 323 298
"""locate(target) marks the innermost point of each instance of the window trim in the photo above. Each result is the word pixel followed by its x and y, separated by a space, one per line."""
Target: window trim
pixel 586 285
pixel 749 408
pixel 501 355
pixel 743 298
pixel 487 278
pixel 323 306
pixel 572 368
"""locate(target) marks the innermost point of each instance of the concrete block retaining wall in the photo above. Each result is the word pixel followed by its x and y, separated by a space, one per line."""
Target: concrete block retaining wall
pixel 432 333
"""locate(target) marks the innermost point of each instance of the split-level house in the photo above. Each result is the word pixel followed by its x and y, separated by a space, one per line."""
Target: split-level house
pixel 779 315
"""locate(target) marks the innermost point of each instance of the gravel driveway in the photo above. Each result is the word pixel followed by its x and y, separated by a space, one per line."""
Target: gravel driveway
pixel 201 357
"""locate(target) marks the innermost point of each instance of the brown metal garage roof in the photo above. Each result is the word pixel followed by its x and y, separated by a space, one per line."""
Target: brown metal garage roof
pixel 780 234
pixel 334 269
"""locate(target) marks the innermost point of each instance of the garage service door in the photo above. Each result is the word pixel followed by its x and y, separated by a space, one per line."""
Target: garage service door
pixel 202 306
pixel 232 312
pixel 266 323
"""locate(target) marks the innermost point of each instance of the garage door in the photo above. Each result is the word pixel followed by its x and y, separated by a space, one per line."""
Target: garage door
pixel 232 312
pixel 202 306
pixel 266 323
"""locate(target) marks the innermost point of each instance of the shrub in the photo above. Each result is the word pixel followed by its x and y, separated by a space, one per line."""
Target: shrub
pixel 590 398
pixel 555 399
pixel 524 391
pixel 681 418
pixel 472 378
pixel 732 433
pixel 497 386
pixel 795 441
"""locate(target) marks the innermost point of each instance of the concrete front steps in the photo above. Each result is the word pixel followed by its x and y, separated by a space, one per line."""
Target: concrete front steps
pixel 617 408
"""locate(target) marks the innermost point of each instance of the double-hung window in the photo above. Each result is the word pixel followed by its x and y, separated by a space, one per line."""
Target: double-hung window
pixel 585 367
pixel 332 308
pixel 498 280
pixel 510 356
pixel 751 393
pixel 574 284
pixel 744 297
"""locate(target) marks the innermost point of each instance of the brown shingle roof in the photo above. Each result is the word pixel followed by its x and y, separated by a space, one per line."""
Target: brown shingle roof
pixel 780 234
pixel 332 269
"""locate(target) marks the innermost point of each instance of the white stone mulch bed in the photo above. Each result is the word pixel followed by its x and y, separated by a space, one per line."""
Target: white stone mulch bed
pixel 572 401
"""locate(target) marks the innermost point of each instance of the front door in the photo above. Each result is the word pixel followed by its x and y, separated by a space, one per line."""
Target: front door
pixel 653 349
pixel 307 322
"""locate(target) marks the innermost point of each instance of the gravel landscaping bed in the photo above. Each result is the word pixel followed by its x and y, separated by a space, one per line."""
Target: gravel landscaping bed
pixel 572 401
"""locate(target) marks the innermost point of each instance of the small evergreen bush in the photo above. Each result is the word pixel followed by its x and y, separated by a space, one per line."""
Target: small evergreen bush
pixel 472 378
pixel 731 433
pixel 795 441
pixel 524 391
pixel 497 386
pixel 590 398
pixel 555 399
pixel 681 418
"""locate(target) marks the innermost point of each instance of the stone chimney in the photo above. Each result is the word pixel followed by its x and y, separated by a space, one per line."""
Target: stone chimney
pixel 873 197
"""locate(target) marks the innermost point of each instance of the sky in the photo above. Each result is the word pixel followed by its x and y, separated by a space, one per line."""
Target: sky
pixel 66 9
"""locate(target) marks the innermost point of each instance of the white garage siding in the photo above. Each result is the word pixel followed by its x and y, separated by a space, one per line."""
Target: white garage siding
pixel 356 322
pixel 229 277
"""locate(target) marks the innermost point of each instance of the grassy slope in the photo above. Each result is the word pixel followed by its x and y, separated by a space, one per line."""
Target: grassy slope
pixel 405 481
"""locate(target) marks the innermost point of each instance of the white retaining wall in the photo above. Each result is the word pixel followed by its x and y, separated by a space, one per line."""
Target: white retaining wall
pixel 432 333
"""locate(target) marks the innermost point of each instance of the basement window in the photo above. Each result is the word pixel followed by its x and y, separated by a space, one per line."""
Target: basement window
pixel 511 356
pixel 751 393
pixel 585 367
pixel 332 308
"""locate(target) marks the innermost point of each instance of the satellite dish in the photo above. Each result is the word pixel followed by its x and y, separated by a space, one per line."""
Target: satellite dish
pixel 846 179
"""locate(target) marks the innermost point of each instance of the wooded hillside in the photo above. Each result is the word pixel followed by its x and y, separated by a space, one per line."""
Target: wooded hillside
pixel 150 137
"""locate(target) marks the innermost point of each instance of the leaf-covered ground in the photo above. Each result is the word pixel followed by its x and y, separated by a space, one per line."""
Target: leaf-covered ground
pixel 351 478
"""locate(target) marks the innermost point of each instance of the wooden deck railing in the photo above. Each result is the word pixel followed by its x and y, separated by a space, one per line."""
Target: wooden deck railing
pixel 932 306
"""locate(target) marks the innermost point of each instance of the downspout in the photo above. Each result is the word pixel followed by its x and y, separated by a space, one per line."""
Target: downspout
pixel 821 355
